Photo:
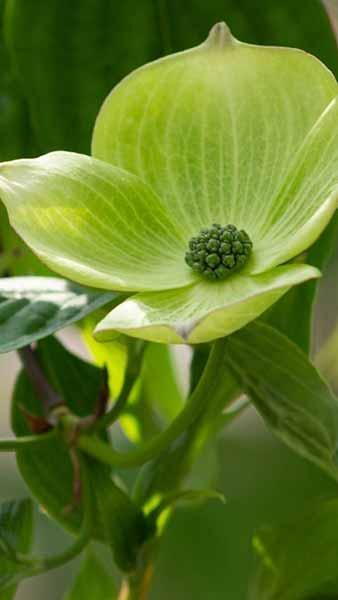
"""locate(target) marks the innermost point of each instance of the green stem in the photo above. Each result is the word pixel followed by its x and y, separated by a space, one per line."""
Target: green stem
pixel 169 470
pixel 137 586
pixel 37 565
pixel 14 444
pixel 194 406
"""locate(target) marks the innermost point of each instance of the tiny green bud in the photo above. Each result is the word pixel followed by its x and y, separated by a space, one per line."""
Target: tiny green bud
pixel 218 251
pixel 213 245
pixel 237 247
pixel 229 261
pixel 221 272
pixel 227 236
pixel 196 266
pixel 213 260
pixel 225 248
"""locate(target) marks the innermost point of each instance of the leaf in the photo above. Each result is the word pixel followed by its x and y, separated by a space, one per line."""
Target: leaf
pixel 287 391
pixel 92 581
pixel 83 49
pixel 184 496
pixel 202 312
pixel 94 223
pixel 104 45
pixel 122 522
pixel 46 467
pixel 15 131
pixel 16 140
pixel 298 561
pixel 32 308
pixel 16 532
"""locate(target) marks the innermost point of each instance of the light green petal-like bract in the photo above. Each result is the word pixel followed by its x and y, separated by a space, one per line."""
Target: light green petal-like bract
pixel 221 132
pixel 94 223
pixel 204 311
pixel 309 198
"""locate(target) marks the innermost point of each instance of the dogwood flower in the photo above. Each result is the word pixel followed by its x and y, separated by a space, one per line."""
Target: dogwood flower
pixel 212 169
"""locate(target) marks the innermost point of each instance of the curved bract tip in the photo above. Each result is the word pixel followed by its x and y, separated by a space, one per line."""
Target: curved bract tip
pixel 220 36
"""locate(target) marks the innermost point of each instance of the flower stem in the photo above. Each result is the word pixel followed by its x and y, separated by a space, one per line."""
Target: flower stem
pixel 11 445
pixel 46 393
pixel 194 406
pixel 137 586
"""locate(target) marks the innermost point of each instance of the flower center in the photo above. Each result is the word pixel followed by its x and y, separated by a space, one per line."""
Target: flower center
pixel 216 252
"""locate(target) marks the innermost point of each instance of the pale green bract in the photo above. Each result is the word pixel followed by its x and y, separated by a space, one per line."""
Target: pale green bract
pixel 226 132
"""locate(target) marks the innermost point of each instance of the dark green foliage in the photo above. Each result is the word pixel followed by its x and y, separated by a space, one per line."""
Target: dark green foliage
pixel 32 308
pixel 72 53
pixel 298 561
pixel 92 581
pixel 288 391
pixel 16 532
pixel 47 468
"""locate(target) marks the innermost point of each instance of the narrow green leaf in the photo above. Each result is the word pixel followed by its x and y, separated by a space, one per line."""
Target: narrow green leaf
pixel 185 496
pixel 92 581
pixel 298 561
pixel 288 392
pixel 32 308
pixel 16 532
pixel 83 48
pixel 46 468
pixel 15 129
pixel 16 140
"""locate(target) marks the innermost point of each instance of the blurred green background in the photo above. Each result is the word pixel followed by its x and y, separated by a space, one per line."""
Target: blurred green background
pixel 206 551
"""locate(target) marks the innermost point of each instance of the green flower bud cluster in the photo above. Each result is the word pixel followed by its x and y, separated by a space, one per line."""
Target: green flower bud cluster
pixel 216 252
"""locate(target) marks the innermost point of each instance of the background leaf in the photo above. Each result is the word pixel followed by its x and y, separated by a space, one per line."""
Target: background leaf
pixel 124 525
pixel 46 468
pixel 74 53
pixel 92 581
pixel 298 561
pixel 34 307
pixel 287 391
pixel 16 532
